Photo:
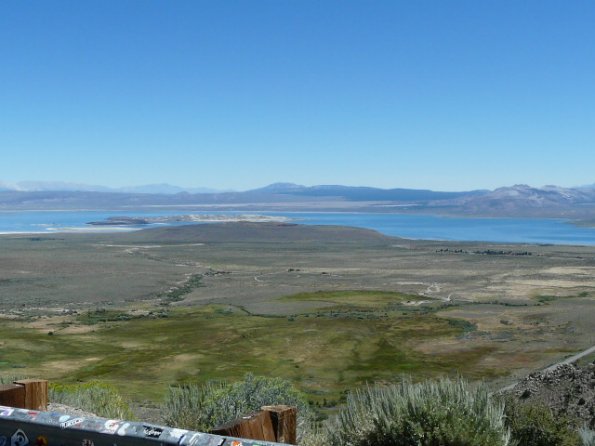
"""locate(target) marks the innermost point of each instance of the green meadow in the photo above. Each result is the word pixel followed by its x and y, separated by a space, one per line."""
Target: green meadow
pixel 328 308
pixel 354 338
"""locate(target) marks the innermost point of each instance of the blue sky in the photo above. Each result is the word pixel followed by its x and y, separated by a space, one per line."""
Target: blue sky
pixel 448 95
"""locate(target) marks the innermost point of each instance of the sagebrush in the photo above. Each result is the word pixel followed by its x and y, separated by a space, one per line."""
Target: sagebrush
pixel 431 413
pixel 587 437
pixel 535 425
pixel 98 398
pixel 203 407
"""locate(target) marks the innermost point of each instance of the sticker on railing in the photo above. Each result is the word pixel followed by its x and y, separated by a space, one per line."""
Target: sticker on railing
pixel 72 422
pixel 111 426
pixel 152 431
pixel 19 439
pixel 6 411
pixel 123 430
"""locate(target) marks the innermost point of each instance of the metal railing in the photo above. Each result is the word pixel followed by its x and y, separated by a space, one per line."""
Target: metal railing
pixel 31 425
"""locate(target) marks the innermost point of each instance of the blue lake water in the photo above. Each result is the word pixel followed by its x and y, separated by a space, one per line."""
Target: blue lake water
pixel 426 227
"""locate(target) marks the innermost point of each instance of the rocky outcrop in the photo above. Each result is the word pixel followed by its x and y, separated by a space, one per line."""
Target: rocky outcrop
pixel 568 390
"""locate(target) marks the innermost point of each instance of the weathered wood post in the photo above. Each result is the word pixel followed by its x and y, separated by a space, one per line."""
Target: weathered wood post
pixel 36 393
pixel 284 419
pixel 272 423
pixel 25 394
pixel 12 395
pixel 256 426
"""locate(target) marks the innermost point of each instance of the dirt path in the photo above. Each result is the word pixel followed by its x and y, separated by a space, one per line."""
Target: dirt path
pixel 571 359
pixel 568 360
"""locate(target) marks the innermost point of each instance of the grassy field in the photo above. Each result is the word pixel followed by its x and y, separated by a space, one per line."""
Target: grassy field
pixel 329 308
pixel 324 352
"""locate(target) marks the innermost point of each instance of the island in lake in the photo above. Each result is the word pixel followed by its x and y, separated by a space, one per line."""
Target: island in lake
pixel 190 218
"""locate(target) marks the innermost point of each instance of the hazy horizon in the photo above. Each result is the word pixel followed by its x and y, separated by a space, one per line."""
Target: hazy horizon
pixel 30 186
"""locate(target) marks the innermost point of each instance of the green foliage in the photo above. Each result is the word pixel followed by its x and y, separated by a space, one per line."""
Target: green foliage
pixel 102 315
pixel 194 407
pixel 177 294
pixel 98 398
pixel 10 379
pixel 431 413
pixel 465 326
pixel 315 435
pixel 204 407
pixel 546 298
pixel 535 425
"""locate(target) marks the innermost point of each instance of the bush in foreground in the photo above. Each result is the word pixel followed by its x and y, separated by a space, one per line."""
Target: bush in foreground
pixel 98 398
pixel 535 425
pixel 587 437
pixel 431 413
pixel 204 407
pixel 10 379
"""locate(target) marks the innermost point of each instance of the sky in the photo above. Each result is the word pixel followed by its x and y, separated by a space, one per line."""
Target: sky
pixel 443 94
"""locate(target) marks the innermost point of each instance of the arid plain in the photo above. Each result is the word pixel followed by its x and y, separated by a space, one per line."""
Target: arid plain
pixel 327 307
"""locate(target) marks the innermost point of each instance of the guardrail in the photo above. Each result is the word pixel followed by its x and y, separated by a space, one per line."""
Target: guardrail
pixel 29 424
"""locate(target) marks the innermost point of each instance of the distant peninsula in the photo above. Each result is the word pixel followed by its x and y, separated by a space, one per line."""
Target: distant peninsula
pixel 189 218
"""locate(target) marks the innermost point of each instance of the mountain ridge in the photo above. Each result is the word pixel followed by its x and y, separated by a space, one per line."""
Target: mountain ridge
pixel 519 200
pixel 63 186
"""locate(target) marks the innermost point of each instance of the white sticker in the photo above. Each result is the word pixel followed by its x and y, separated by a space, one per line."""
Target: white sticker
pixel 71 423
pixel 111 426
pixel 175 432
pixel 6 411
pixel 122 430
pixel 19 439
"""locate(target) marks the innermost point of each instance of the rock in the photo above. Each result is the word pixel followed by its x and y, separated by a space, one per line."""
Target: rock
pixel 566 390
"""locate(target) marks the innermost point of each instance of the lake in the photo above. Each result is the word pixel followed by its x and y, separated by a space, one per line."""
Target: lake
pixel 425 227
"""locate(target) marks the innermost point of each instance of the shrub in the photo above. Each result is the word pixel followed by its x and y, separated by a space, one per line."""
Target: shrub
pixel 10 379
pixel 431 413
pixel 587 437
pixel 98 398
pixel 194 407
pixel 535 425
pixel 204 407
pixel 315 435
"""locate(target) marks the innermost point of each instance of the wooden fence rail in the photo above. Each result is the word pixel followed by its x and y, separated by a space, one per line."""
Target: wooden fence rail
pixel 24 421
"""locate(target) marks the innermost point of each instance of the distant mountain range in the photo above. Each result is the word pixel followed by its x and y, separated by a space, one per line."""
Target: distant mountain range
pixel 59 186
pixel 515 201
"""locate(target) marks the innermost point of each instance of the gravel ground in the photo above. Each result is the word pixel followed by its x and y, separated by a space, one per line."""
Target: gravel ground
pixel 55 407
pixel 146 413
pixel 567 390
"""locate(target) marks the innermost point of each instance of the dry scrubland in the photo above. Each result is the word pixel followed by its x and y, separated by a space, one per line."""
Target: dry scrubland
pixel 329 308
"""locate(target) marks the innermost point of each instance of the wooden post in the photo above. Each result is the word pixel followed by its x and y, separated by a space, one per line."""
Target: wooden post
pixel 12 395
pixel 257 426
pixel 284 420
pixel 36 393
pixel 272 423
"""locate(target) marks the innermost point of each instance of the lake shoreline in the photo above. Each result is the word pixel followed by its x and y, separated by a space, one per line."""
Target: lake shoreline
pixel 429 227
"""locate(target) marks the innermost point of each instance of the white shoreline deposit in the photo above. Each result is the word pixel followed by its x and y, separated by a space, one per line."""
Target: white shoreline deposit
pixel 189 218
